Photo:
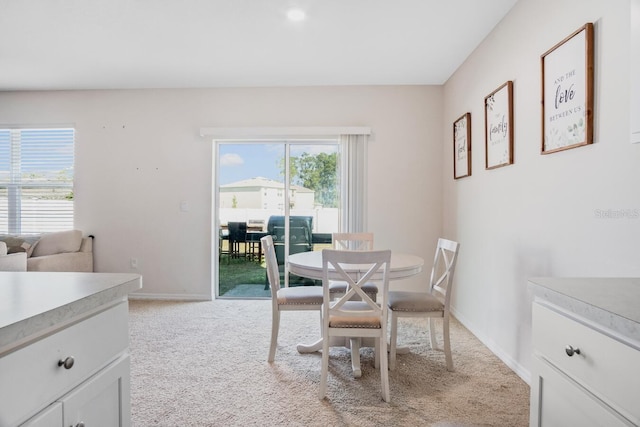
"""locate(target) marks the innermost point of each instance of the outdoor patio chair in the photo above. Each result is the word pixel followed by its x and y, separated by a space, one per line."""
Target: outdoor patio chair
pixel 237 239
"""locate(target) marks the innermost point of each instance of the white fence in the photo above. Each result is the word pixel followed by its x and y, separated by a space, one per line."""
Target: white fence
pixel 325 220
pixel 39 215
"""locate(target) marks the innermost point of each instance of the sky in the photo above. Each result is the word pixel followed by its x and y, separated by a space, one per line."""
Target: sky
pixel 42 151
pixel 245 161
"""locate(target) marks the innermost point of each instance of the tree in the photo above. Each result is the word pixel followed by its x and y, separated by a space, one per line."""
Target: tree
pixel 318 173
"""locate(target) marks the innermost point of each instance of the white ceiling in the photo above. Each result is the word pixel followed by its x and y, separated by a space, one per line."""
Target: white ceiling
pixel 118 44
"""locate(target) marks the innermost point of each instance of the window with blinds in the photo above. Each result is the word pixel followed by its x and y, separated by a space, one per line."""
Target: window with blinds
pixel 36 180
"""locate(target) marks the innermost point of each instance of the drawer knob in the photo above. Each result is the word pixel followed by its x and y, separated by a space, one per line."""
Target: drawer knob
pixel 67 363
pixel 571 351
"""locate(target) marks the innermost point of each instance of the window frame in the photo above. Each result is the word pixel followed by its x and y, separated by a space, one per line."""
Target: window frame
pixel 42 161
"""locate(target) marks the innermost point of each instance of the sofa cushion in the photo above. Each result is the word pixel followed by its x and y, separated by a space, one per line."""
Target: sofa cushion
pixel 58 242
pixel 3 248
pixel 15 243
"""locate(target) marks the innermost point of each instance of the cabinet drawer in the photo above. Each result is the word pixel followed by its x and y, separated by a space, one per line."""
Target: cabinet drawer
pixel 49 417
pixel 565 404
pixel 605 366
pixel 31 377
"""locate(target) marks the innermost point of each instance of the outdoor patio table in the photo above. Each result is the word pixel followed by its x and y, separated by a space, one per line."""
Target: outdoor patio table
pixel 309 264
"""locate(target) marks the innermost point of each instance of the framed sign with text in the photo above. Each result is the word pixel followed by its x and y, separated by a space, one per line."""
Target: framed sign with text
pixel 634 59
pixel 567 92
pixel 498 127
pixel 462 146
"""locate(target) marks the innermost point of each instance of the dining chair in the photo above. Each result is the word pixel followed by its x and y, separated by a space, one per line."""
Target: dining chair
pixel 347 318
pixel 431 304
pixel 352 242
pixel 285 299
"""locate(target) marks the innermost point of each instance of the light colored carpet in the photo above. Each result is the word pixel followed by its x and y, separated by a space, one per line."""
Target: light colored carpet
pixel 204 364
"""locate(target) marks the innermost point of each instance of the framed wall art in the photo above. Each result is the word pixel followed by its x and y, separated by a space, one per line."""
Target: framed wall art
pixel 498 127
pixel 462 146
pixel 567 92
pixel 634 58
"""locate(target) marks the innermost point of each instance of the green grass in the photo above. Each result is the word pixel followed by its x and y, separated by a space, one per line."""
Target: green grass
pixel 239 271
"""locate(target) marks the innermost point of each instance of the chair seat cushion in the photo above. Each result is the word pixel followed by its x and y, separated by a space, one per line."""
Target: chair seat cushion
pixel 419 302
pixel 311 295
pixel 346 321
pixel 340 287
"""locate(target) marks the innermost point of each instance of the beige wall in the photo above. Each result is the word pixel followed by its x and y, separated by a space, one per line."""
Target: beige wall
pixel 139 155
pixel 544 215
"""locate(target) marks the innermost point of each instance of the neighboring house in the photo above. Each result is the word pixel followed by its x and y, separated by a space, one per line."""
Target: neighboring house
pixel 264 193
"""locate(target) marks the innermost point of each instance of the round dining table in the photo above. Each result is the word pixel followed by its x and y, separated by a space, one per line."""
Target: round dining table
pixel 309 264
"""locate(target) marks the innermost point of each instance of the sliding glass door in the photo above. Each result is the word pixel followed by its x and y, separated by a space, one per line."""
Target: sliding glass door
pixel 288 189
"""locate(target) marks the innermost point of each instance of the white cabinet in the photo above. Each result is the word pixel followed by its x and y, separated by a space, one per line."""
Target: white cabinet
pixel 49 417
pixel 99 400
pixel 96 402
pixel 38 389
pixel 582 373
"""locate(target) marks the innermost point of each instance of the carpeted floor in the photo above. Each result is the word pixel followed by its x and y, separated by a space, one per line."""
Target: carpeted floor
pixel 204 364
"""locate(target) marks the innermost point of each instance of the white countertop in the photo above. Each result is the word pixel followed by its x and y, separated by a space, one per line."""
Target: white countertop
pixel 613 302
pixel 33 302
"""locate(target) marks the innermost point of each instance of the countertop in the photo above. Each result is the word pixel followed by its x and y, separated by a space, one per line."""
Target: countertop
pixel 611 302
pixel 32 303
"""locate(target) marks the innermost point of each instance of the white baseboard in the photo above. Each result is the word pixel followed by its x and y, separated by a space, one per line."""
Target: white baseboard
pixel 520 370
pixel 170 297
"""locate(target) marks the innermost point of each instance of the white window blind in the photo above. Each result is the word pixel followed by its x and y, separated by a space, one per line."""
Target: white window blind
pixel 36 180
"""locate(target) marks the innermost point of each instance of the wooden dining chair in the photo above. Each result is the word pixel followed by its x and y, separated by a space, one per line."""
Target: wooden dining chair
pixel 285 299
pixel 433 303
pixel 345 317
pixel 352 242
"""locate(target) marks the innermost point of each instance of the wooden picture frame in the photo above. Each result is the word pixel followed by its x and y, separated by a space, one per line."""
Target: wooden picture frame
pixel 634 59
pixel 498 127
pixel 567 92
pixel 462 146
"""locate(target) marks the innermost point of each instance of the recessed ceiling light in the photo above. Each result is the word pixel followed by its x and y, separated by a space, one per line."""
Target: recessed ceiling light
pixel 296 15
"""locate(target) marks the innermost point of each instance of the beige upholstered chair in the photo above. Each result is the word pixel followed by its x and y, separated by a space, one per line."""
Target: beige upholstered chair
pixel 12 262
pixel 432 304
pixel 352 319
pixel 352 242
pixel 298 298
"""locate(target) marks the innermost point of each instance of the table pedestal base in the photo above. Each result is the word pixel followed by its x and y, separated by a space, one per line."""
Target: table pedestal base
pixel 353 343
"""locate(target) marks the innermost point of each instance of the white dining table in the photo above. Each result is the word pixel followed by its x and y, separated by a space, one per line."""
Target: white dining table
pixel 309 264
